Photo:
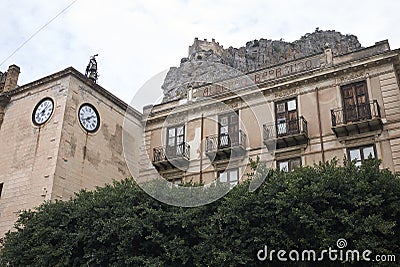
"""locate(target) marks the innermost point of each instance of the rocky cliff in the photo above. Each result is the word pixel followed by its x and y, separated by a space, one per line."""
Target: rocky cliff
pixel 199 67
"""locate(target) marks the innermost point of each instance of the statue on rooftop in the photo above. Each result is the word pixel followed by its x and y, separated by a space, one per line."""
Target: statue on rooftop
pixel 91 69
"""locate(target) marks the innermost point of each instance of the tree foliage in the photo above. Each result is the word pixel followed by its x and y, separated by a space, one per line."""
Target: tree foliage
pixel 120 225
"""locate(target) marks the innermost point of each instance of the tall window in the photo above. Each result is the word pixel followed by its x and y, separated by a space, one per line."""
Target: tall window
pixel 361 153
pixel 229 176
pixel 286 117
pixel 228 132
pixel 288 165
pixel 355 102
pixel 1 188
pixel 175 141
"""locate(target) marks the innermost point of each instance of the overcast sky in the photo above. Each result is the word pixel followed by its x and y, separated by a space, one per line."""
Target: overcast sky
pixel 137 39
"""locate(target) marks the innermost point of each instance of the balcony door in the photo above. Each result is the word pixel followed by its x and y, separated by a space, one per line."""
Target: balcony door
pixel 175 141
pixel 355 102
pixel 228 132
pixel 286 117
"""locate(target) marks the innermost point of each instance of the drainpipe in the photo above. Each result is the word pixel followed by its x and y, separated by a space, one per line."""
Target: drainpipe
pixel 201 147
pixel 319 125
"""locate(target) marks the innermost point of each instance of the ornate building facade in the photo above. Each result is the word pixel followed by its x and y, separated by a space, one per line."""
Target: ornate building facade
pixel 301 111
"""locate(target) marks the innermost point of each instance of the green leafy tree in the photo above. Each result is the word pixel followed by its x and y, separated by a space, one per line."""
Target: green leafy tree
pixel 120 225
pixel 310 208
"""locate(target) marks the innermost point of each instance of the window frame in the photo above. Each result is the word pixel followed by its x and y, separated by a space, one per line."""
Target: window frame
pixel 177 149
pixel 176 180
pixel 286 125
pixel 232 135
pixel 289 161
pixel 361 110
pixel 228 177
pixel 361 151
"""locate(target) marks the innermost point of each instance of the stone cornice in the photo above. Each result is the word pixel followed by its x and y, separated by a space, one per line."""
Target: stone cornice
pixel 70 71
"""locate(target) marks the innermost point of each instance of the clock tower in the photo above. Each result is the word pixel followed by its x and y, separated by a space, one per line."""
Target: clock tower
pixel 59 134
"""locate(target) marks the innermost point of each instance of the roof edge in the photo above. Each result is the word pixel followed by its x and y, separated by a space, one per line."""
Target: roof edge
pixel 73 72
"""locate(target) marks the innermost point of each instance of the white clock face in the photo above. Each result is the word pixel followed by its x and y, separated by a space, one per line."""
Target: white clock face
pixel 43 111
pixel 89 118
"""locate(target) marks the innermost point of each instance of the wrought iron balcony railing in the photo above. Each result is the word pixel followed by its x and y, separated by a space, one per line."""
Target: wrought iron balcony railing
pixel 171 152
pixel 225 141
pixel 355 113
pixel 286 128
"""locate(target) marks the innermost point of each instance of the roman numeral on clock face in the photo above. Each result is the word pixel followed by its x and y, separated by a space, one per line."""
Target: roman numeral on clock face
pixel 88 117
pixel 43 111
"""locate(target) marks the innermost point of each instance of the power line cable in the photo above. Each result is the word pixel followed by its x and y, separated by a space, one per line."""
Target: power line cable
pixel 39 30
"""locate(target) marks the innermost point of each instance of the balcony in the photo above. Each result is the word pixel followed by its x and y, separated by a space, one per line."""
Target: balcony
pixel 285 133
pixel 225 146
pixel 171 157
pixel 356 119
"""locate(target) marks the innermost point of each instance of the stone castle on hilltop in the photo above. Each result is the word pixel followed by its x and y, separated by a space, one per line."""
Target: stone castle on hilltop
pixel 253 56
